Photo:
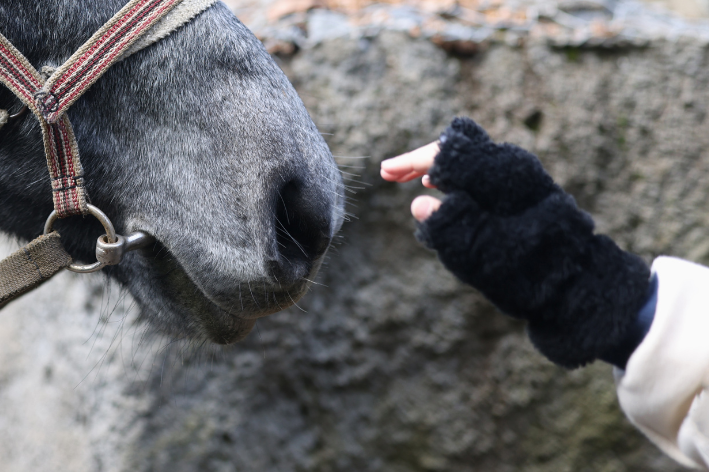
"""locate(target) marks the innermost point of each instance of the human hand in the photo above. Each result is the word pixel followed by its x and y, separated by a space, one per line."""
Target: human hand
pixel 413 165
pixel 508 230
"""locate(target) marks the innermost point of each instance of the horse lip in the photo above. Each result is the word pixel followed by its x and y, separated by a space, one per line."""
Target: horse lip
pixel 157 250
pixel 284 297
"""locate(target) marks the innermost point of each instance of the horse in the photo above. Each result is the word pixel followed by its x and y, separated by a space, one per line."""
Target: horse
pixel 198 140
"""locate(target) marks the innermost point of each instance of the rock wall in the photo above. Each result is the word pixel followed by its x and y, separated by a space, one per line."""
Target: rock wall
pixel 390 364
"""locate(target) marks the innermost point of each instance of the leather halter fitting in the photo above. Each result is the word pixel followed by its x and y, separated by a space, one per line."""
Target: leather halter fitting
pixel 137 25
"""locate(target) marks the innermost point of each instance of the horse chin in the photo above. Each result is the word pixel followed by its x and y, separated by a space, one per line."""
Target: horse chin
pixel 222 326
pixel 177 306
pixel 227 325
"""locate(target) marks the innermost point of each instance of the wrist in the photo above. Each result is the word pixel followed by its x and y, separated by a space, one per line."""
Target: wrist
pixel 596 311
pixel 619 355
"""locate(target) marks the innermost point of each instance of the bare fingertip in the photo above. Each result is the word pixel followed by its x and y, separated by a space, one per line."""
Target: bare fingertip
pixel 421 208
pixel 386 163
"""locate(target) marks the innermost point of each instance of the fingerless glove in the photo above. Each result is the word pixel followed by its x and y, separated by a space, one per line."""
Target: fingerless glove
pixel 508 230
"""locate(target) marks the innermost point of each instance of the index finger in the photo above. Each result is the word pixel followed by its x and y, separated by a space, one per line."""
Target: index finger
pixel 410 165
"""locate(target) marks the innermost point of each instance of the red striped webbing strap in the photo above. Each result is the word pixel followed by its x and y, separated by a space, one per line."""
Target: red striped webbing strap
pixel 50 99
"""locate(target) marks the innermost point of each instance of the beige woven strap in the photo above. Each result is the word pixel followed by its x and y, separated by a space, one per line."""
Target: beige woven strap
pixel 96 56
pixel 31 266
pixel 180 15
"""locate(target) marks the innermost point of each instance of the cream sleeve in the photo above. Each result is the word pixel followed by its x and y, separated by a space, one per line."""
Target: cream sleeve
pixel 663 390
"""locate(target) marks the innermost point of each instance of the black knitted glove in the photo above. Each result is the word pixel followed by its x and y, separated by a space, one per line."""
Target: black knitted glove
pixel 508 230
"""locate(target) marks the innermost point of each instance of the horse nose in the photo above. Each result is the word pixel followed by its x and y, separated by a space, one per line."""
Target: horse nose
pixel 302 230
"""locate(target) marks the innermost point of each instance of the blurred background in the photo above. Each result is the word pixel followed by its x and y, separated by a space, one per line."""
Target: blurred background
pixel 390 364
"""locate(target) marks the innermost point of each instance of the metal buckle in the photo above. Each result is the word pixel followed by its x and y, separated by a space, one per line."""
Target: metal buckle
pixel 110 247
pixel 112 253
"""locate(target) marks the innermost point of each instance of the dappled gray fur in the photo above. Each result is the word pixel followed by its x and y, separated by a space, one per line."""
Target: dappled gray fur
pixel 199 140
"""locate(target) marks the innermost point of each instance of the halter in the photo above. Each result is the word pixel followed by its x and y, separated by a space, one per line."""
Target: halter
pixel 137 25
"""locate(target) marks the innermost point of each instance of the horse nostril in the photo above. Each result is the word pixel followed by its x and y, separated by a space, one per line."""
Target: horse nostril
pixel 302 227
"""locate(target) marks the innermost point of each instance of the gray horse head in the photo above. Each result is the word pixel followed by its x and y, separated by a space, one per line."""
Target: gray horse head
pixel 198 140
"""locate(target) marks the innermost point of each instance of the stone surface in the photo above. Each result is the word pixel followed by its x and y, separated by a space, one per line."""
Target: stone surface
pixel 463 25
pixel 391 365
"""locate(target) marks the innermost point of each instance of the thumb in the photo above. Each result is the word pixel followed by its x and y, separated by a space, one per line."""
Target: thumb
pixel 422 207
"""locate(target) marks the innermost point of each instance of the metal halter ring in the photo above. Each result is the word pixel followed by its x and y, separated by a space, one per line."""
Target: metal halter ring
pixel 110 234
